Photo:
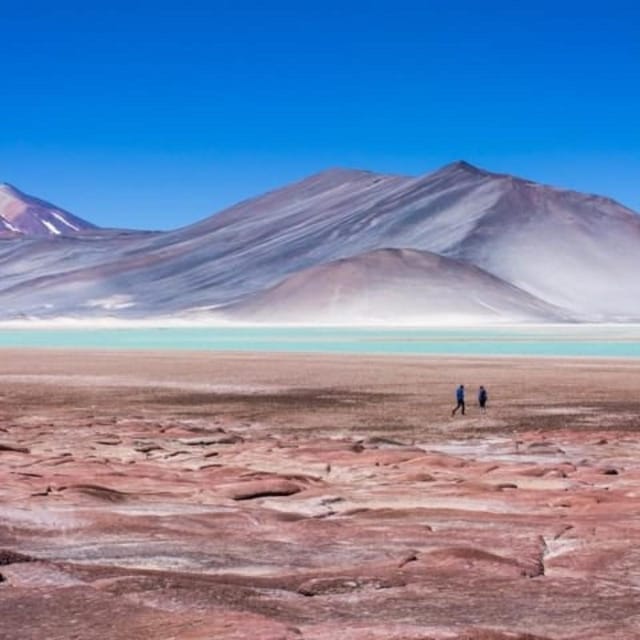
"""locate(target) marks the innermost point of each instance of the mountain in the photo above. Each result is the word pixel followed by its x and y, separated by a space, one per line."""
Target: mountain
pixel 24 214
pixel 388 286
pixel 577 254
pixel 577 251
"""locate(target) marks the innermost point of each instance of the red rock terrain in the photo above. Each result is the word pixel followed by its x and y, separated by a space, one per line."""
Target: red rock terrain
pixel 197 496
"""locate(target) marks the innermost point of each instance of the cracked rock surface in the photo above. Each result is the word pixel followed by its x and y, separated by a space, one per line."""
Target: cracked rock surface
pixel 197 496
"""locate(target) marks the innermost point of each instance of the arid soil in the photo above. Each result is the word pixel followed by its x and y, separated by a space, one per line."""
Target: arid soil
pixel 270 497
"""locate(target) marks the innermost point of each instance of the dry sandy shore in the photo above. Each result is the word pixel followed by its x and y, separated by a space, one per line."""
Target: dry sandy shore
pixel 200 496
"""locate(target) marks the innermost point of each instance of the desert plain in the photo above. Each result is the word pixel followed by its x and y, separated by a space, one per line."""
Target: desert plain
pixel 196 496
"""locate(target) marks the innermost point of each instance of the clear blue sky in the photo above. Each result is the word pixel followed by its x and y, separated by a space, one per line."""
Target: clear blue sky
pixel 156 114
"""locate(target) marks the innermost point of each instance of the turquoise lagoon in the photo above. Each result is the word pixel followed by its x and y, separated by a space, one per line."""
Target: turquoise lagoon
pixel 543 340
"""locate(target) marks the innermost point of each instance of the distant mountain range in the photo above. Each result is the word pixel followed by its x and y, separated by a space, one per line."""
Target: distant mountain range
pixel 341 247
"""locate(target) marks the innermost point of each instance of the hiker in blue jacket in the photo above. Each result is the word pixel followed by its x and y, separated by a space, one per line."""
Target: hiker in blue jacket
pixel 459 400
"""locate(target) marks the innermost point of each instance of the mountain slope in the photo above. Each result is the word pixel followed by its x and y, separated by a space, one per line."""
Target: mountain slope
pixel 390 286
pixel 574 250
pixel 331 215
pixel 570 250
pixel 24 214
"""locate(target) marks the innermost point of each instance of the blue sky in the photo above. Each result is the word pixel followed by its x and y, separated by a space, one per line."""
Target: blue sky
pixel 156 114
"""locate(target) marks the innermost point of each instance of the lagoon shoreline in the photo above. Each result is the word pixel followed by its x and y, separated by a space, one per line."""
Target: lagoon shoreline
pixel 602 341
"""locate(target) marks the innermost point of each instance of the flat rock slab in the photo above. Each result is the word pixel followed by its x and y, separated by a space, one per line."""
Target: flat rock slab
pixel 4 446
pixel 259 489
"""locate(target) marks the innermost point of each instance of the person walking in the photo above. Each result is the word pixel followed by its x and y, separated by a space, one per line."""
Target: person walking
pixel 483 396
pixel 459 400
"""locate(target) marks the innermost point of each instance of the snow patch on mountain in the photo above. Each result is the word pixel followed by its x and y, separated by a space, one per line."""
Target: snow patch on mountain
pixel 64 221
pixel 7 225
pixel 50 226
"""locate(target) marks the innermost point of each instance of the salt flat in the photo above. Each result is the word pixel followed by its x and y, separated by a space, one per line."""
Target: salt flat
pixel 195 495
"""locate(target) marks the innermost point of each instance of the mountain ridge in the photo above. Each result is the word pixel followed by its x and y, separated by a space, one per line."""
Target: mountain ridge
pixel 572 251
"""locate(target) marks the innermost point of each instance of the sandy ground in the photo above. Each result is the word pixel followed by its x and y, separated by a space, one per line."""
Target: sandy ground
pixel 191 496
